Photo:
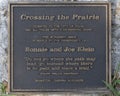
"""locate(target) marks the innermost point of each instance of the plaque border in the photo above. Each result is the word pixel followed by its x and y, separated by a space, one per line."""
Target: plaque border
pixel 50 4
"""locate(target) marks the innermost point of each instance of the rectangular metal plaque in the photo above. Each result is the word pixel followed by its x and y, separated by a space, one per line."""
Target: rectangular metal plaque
pixel 59 46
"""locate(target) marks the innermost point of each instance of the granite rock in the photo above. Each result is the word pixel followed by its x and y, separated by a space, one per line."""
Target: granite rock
pixel 3 40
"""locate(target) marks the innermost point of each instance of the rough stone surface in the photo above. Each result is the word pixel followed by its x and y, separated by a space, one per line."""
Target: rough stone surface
pixel 4 40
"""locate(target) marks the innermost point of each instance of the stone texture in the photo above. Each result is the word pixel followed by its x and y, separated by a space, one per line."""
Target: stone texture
pixel 115 33
pixel 4 39
pixel 59 94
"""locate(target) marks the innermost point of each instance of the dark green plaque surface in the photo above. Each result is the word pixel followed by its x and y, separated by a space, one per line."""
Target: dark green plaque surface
pixel 59 46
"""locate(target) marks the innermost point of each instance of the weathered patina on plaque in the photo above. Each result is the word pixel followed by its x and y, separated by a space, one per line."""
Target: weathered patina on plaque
pixel 59 46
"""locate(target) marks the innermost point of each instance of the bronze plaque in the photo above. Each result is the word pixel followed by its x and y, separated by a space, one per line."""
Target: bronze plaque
pixel 58 47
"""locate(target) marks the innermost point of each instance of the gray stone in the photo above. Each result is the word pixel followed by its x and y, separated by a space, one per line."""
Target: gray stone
pixel 3 41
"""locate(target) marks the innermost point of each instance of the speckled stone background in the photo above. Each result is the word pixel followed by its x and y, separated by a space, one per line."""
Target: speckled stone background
pixel 4 40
